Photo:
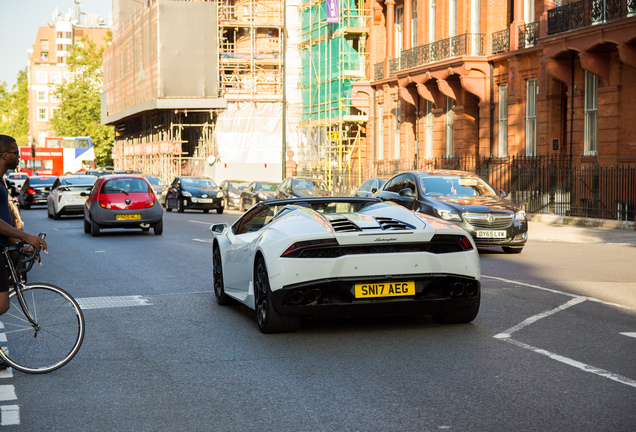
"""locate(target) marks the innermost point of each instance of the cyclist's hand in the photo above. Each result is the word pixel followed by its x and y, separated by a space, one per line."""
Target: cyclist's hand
pixel 37 242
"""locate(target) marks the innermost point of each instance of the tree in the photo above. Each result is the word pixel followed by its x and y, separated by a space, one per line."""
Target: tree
pixel 13 109
pixel 79 111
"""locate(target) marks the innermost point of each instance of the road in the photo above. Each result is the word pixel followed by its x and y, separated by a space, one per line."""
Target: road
pixel 553 347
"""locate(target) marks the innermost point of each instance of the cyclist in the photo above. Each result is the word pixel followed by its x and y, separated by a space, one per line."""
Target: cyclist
pixel 10 159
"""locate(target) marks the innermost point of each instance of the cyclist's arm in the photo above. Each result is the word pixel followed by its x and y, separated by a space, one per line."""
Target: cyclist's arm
pixel 33 240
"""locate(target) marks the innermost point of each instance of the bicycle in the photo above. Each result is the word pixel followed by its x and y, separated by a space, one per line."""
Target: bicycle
pixel 44 327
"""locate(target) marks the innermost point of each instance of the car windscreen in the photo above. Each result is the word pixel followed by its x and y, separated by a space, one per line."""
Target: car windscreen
pixel 79 181
pixel 124 185
pixel 455 185
pixel 155 181
pixel 198 183
pixel 17 176
pixel 266 187
pixel 41 181
pixel 306 184
pixel 238 185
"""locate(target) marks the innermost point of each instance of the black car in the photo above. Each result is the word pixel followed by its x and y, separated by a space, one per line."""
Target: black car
pixel 370 187
pixel 231 191
pixel 257 192
pixel 465 199
pixel 35 191
pixel 302 187
pixel 196 193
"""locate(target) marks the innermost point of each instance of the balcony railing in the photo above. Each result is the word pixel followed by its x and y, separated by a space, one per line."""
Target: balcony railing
pixel 587 13
pixel 378 71
pixel 501 41
pixel 471 44
pixel 528 34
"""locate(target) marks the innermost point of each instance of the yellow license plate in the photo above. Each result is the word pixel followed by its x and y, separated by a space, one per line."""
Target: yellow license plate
pixel 128 216
pixel 385 289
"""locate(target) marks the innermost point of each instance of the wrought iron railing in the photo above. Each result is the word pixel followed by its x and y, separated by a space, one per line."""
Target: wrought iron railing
pixel 378 71
pixel 469 44
pixel 394 66
pixel 528 34
pixel 586 13
pixel 501 41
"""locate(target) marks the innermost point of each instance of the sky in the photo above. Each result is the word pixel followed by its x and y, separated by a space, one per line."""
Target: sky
pixel 20 22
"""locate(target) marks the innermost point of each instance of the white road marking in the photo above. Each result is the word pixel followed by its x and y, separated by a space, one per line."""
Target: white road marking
pixel 10 415
pixel 506 335
pixel 111 302
pixel 200 222
pixel 7 392
pixel 203 240
pixel 629 334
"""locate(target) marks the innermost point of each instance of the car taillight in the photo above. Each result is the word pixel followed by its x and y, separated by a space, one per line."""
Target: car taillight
pixel 297 248
pixel 461 240
pixel 150 203
pixel 104 204
pixel 31 191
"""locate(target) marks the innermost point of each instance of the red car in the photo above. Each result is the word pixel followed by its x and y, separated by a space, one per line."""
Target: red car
pixel 122 201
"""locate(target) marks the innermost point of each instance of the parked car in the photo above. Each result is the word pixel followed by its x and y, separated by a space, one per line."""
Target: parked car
pixel 159 186
pixel 196 193
pixel 370 187
pixel 35 191
pixel 66 196
pixel 405 262
pixel 232 191
pixel 17 178
pixel 301 187
pixel 257 192
pixel 122 201
pixel 465 199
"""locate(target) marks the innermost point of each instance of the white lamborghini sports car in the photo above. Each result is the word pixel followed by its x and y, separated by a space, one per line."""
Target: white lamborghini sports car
pixel 344 256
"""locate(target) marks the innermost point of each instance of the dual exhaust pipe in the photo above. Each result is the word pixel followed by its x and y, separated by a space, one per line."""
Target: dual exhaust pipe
pixel 461 289
pixel 305 298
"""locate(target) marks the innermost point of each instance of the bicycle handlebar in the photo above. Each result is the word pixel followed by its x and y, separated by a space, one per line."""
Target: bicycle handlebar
pixel 28 256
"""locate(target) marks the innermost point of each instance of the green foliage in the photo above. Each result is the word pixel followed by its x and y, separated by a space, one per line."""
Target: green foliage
pixel 13 109
pixel 80 100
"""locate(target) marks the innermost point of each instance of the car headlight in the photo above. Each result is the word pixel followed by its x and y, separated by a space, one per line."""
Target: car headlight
pixel 219 194
pixel 262 196
pixel 447 214
pixel 186 193
pixel 520 216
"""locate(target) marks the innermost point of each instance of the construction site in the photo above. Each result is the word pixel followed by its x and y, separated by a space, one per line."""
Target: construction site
pixel 335 92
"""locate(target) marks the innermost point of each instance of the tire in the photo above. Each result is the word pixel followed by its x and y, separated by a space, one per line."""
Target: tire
pixel 206 210
pixel 241 205
pixel 180 205
pixel 219 210
pixel 512 249
pixel 158 228
pixel 168 208
pixel 461 316
pixel 87 227
pixel 48 213
pixel 59 335
pixel 217 278
pixel 56 216
pixel 94 228
pixel 269 321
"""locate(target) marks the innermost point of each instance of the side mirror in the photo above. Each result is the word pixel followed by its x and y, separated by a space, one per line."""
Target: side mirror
pixel 502 193
pixel 407 193
pixel 84 194
pixel 374 189
pixel 218 228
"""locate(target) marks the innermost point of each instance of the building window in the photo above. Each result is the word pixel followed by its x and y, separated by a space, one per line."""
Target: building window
pixel 431 20
pixel 413 23
pixel 379 121
pixel 452 18
pixel 40 77
pixel 590 115
pixel 44 56
pixel 428 131
pixel 54 111
pixel 502 122
pixel 44 44
pixel 42 114
pixel 625 211
pixel 449 122
pixel 53 97
pixel 41 96
pixel 475 27
pixel 397 125
pixel 56 77
pixel 531 117
pixel 60 59
pixel 399 24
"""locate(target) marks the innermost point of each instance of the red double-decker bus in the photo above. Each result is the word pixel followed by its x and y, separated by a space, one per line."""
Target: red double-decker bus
pixel 59 156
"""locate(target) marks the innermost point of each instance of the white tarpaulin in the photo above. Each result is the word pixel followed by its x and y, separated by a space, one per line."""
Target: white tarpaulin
pixel 248 132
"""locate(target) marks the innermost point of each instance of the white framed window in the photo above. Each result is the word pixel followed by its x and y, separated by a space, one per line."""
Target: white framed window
pixel 528 11
pixel 54 111
pixel 43 114
pixel 379 139
pixel 397 126
pixel 56 77
pixel 431 20
pixel 44 56
pixel 452 17
pixel 44 44
pixel 399 27
pixel 52 97
pixel 449 123
pixel 40 77
pixel 590 115
pixel 502 122
pixel 42 96
pixel 428 131
pixel 413 23
pixel 475 27
pixel 531 117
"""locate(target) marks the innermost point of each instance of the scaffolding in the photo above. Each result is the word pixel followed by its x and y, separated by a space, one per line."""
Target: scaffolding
pixel 333 59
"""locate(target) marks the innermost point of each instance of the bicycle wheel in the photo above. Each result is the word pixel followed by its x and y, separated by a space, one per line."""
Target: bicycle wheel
pixel 54 339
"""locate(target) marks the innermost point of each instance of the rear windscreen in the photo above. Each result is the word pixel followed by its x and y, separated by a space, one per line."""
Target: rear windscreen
pixel 125 185
pixel 42 181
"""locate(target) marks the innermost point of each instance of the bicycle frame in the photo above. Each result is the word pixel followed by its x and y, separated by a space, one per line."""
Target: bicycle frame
pixel 16 284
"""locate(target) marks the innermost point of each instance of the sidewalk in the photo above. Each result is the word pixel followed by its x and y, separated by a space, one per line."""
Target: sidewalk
pixel 579 230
